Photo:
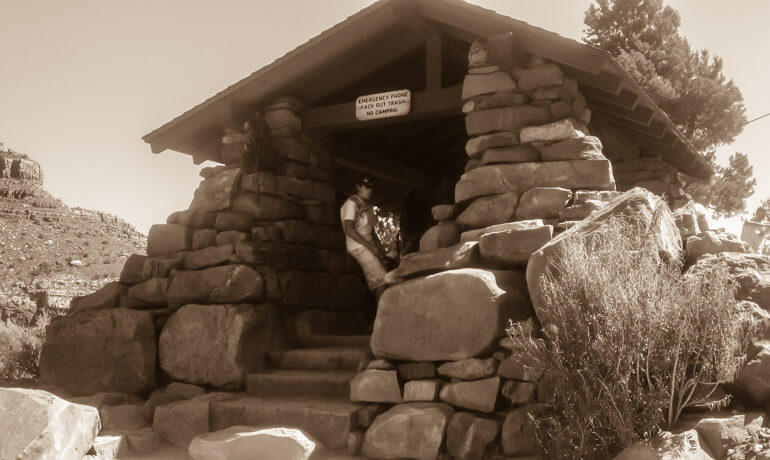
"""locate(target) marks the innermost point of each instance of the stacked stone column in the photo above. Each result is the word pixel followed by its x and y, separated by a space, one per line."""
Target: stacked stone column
pixel 443 358
pixel 257 259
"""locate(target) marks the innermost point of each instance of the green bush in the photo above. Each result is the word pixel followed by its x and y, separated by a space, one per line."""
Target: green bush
pixel 631 342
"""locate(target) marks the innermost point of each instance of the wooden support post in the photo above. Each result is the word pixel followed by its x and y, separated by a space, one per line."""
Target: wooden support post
pixel 433 62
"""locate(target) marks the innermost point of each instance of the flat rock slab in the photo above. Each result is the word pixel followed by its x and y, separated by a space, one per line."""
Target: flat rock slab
pixel 100 350
pixel 411 430
pixel 480 395
pixel 462 313
pixel 38 425
pixel 477 145
pixel 512 248
pixel 510 119
pixel 555 131
pixel 462 255
pixel 213 344
pixel 469 369
pixel 513 154
pixel 520 177
pixel 475 85
pixel 474 235
pixel 575 148
pixel 250 443
pixel 215 285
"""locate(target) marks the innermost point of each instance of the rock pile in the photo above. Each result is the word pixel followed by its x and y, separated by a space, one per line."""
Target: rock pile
pixel 443 368
pixel 259 247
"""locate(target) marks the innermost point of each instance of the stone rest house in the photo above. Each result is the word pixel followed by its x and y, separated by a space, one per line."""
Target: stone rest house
pixel 513 132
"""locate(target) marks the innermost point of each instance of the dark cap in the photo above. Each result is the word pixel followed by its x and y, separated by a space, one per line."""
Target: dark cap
pixel 366 181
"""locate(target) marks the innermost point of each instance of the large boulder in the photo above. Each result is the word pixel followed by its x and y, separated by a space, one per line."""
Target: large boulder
pixel 412 430
pixel 520 177
pixel 218 344
pixel 224 284
pixel 750 271
pixel 250 443
pixel 36 425
pixel 100 350
pixel 462 313
pixel 710 242
pixel 753 382
pixel 637 205
pixel 722 431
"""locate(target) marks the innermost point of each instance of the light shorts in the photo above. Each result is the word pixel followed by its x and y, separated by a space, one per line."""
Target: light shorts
pixel 374 271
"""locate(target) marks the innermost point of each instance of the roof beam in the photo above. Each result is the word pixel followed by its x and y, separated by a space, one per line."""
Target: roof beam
pixel 640 114
pixel 425 104
pixel 380 167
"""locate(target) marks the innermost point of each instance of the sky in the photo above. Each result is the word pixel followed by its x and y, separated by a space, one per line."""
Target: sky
pixel 81 81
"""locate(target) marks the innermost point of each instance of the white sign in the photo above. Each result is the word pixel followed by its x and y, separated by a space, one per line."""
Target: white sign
pixel 383 105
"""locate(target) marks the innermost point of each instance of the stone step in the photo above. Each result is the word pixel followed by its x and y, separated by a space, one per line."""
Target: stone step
pixel 316 341
pixel 327 421
pixel 320 358
pixel 290 383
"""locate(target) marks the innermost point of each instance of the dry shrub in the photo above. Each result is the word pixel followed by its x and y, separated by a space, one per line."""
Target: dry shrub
pixel 20 349
pixel 631 342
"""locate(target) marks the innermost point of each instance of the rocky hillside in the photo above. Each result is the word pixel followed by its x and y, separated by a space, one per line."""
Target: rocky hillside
pixel 50 252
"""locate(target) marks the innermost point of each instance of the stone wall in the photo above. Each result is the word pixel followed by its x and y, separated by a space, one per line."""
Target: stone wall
pixel 443 359
pixel 256 260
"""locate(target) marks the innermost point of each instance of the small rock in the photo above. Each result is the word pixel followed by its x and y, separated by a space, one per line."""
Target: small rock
pixel 480 395
pixel 416 371
pixel 421 390
pixel 243 442
pixel 469 369
pixel 519 392
pixel 413 430
pixel 375 386
pixel 468 436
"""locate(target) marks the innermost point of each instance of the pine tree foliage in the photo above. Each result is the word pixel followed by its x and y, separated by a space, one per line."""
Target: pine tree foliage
pixel 688 85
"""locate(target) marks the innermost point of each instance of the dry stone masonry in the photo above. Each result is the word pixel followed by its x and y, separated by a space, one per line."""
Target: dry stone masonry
pixel 259 248
pixel 532 168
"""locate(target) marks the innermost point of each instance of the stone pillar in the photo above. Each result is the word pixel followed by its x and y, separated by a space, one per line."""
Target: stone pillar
pixel 256 259
pixel 533 168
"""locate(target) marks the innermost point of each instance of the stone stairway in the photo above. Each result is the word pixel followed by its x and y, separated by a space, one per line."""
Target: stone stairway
pixel 306 388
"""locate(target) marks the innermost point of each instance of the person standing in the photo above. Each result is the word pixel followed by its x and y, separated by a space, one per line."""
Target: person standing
pixel 361 242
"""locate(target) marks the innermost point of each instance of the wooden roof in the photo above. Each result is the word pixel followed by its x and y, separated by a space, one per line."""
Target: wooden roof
pixel 373 49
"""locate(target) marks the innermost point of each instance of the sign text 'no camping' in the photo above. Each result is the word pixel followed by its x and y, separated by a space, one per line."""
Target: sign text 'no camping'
pixel 383 105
